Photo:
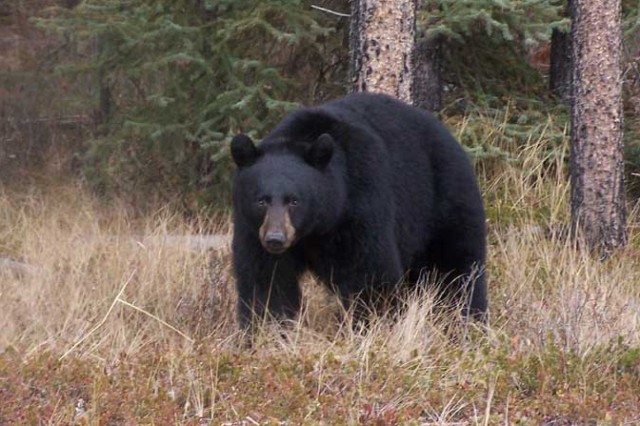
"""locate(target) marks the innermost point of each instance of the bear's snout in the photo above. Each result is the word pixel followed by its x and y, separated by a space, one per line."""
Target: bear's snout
pixel 275 241
pixel 277 233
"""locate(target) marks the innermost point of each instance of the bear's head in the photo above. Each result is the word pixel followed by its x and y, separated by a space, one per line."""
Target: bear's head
pixel 284 192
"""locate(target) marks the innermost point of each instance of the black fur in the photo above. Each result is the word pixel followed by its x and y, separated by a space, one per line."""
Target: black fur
pixel 383 193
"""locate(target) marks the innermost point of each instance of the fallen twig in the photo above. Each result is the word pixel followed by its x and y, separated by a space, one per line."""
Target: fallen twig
pixel 161 321
pixel 192 242
pixel 332 12
pixel 104 319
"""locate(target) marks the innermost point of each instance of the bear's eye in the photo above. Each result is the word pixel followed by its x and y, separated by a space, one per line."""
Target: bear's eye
pixel 293 201
pixel 261 202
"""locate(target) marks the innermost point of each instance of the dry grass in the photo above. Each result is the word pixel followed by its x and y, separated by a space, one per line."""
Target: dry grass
pixel 104 330
pixel 85 261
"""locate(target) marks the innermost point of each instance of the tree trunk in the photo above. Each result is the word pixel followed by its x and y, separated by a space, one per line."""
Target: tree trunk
pixel 597 190
pixel 382 43
pixel 102 112
pixel 427 60
pixel 427 85
pixel 560 67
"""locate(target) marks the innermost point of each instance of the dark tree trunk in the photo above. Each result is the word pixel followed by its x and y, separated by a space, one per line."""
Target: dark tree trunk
pixel 560 65
pixel 427 85
pixel 102 112
pixel 427 59
pixel 597 191
pixel 382 44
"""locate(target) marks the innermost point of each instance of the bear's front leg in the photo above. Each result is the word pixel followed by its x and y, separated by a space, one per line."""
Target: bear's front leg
pixel 267 284
pixel 366 272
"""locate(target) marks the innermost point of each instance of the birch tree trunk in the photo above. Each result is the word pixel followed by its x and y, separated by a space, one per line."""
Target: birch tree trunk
pixel 597 191
pixel 382 43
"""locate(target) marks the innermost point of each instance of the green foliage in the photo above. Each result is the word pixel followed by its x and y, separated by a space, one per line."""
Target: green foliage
pixel 492 81
pixel 171 81
pixel 175 79
pixel 509 20
pixel 489 78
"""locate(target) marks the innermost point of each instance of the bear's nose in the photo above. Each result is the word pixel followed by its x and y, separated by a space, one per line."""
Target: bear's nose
pixel 274 241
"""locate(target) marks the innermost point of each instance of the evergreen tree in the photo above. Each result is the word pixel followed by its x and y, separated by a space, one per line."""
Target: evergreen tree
pixel 175 79
pixel 483 39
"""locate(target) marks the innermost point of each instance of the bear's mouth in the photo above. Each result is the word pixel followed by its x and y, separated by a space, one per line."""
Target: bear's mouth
pixel 275 248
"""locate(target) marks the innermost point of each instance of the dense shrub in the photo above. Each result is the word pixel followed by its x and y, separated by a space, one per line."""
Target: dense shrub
pixel 174 79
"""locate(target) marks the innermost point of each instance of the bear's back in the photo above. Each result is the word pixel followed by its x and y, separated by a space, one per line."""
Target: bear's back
pixel 408 147
pixel 405 131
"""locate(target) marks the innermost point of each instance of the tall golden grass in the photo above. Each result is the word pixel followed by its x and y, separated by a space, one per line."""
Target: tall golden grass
pixel 84 262
pixel 95 293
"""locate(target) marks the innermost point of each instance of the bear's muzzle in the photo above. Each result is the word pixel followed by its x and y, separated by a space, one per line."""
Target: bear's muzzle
pixel 277 233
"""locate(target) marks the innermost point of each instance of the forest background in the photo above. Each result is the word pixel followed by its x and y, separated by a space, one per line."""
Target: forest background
pixel 115 118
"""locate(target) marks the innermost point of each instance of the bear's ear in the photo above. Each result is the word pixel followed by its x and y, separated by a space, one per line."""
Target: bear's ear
pixel 319 153
pixel 243 150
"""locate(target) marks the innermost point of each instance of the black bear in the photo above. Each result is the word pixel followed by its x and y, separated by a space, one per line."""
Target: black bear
pixel 365 192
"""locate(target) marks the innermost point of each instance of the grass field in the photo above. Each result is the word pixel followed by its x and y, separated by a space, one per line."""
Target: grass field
pixel 104 330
